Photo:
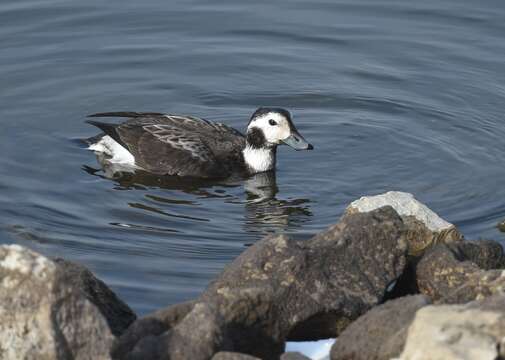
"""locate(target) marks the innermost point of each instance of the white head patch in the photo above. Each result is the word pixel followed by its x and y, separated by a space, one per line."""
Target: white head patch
pixel 275 126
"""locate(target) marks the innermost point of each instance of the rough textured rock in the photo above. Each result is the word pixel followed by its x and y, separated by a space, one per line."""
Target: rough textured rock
pixel 447 273
pixel 43 314
pixel 450 332
pixel 280 289
pixel 380 333
pixel 225 355
pixel 294 356
pixel 486 254
pixel 424 226
pixel 118 315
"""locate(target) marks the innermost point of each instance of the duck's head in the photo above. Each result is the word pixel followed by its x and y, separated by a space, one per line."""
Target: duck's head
pixel 270 127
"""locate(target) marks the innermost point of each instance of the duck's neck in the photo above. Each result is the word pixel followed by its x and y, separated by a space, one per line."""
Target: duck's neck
pixel 259 159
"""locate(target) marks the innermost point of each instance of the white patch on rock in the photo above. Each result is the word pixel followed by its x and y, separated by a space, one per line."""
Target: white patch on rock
pixel 24 261
pixel 405 205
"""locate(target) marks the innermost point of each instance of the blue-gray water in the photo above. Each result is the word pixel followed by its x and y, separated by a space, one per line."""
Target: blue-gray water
pixel 402 95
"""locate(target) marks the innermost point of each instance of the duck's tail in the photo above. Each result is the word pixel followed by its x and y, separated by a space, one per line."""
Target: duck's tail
pixel 109 129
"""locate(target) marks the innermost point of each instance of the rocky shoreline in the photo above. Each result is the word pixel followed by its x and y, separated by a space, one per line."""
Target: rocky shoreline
pixel 390 279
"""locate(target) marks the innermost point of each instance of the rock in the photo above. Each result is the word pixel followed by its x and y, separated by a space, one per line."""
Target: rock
pixel 118 315
pixel 225 355
pixel 381 332
pixel 43 314
pixel 450 332
pixel 151 325
pixel 486 254
pixel 425 227
pixel 501 226
pixel 447 273
pixel 280 289
pixel 293 356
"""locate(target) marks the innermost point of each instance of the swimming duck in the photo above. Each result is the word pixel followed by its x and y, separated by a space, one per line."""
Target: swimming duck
pixel 189 146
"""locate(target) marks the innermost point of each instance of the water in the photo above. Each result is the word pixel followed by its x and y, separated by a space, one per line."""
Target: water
pixel 401 95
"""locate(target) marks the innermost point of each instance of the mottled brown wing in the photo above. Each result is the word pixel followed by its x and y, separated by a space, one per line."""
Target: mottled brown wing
pixel 180 145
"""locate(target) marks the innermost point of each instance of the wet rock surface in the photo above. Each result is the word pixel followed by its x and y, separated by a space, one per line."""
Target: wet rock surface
pixel 43 314
pixel 381 332
pixel 501 226
pixel 280 289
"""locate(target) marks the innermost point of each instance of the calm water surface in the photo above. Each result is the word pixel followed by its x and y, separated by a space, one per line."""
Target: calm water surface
pixel 402 95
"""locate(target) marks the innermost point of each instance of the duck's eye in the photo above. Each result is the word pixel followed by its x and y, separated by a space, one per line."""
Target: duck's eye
pixel 272 122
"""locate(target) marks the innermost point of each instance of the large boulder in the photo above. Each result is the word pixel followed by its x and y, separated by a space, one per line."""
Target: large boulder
pixel 380 333
pixel 424 227
pixel 280 289
pixel 458 332
pixel 118 315
pixel 43 313
pixel 459 273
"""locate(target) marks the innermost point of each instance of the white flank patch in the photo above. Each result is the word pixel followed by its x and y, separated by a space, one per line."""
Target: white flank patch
pixel 259 159
pixel 118 154
pixel 405 205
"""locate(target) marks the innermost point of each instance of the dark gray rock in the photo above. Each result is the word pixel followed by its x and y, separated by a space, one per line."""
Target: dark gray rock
pixel 451 274
pixel 294 356
pixel 280 289
pixel 226 355
pixel 380 333
pixel 119 315
pixel 486 254
pixel 152 325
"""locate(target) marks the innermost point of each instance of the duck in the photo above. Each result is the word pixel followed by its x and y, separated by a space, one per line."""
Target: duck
pixel 188 146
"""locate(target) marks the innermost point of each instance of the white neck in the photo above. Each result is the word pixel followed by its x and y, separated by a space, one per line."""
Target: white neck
pixel 259 159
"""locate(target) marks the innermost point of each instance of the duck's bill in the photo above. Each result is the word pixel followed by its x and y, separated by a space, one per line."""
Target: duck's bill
pixel 297 142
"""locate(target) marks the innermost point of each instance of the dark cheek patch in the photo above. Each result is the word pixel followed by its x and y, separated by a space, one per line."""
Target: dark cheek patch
pixel 256 138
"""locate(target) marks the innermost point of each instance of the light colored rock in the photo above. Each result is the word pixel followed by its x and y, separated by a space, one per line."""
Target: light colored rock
pixel 43 314
pixel 405 204
pixel 455 332
pixel 425 227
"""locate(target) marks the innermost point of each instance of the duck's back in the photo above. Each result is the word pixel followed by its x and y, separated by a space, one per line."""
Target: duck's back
pixel 178 145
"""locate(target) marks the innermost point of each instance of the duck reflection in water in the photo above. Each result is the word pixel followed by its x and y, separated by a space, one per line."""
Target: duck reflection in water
pixel 264 212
